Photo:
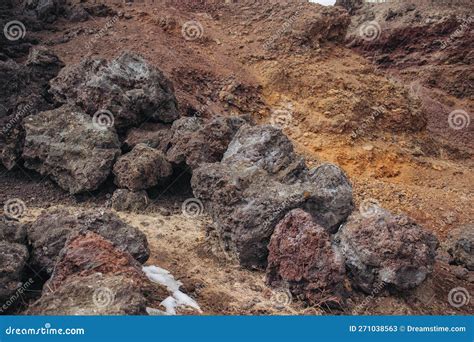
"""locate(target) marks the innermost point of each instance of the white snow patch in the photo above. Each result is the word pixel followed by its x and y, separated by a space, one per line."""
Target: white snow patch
pixel 177 299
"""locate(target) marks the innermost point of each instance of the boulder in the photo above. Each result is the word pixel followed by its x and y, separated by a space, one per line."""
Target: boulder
pixel 195 141
pixel 460 246
pixel 259 180
pixel 142 168
pixel 45 10
pixel 23 92
pixel 13 258
pixel 49 233
pixel 80 158
pixel 128 87
pixel 126 200
pixel 94 278
pixel 386 249
pixel 301 257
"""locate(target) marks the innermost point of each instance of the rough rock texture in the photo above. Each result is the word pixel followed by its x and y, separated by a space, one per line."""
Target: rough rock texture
pixel 258 181
pixel 386 249
pixel 196 141
pixel 460 246
pixel 45 10
pixel 126 200
pixel 23 92
pixel 12 231
pixel 65 145
pixel 49 233
pixel 93 278
pixel 155 135
pixel 301 257
pixel 350 5
pixel 13 258
pixel 128 87
pixel 142 168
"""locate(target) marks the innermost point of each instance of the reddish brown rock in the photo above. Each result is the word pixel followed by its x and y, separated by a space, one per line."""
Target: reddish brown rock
pixel 155 135
pixel 301 257
pixel 142 168
pixel 95 278
pixel 89 253
pixel 49 233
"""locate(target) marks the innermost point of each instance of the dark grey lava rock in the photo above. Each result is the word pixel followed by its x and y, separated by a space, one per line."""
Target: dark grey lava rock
pixel 45 10
pixel 49 233
pixel 142 168
pixel 126 200
pixel 23 92
pixel 13 258
pixel 460 246
pixel 128 87
pixel 195 141
pixel 67 146
pixel 302 258
pixel 386 249
pixel 259 180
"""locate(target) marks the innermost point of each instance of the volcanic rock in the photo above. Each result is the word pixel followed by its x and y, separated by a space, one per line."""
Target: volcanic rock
pixel 301 257
pixel 195 141
pixel 13 258
pixel 460 246
pixel 382 248
pixel 79 158
pixel 49 233
pixel 12 231
pixel 258 181
pixel 128 87
pixel 155 135
pixel 142 168
pixel 45 10
pixel 126 200
pixel 91 278
pixel 23 92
